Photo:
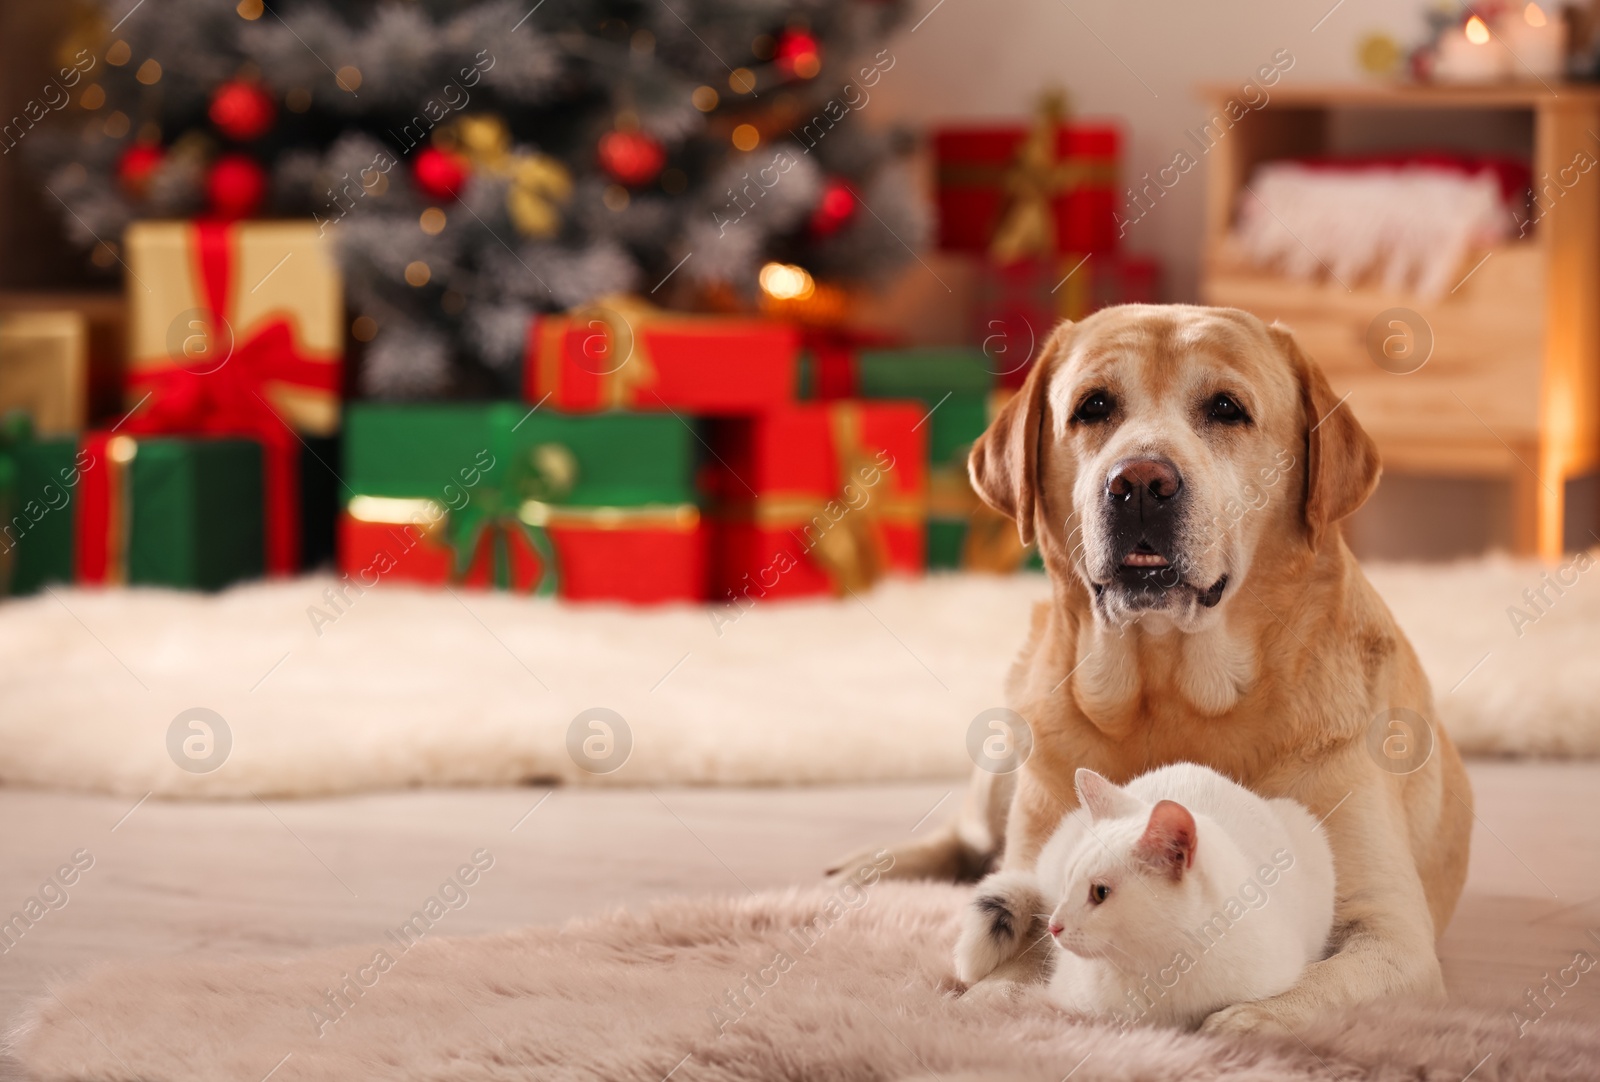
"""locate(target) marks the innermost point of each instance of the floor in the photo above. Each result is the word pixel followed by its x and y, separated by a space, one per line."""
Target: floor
pixel 284 877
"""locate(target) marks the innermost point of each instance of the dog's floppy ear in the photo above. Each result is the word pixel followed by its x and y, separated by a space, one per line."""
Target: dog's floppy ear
pixel 1004 464
pixel 1342 463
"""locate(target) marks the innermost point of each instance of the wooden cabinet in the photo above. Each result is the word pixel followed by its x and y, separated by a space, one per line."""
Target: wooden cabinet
pixel 1512 387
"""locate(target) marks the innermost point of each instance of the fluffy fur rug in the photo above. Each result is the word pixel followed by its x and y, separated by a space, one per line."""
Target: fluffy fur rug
pixel 844 983
pixel 403 687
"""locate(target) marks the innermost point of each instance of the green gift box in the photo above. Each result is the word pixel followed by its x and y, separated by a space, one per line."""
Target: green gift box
pixel 592 506
pixel 165 511
pixel 195 512
pixel 37 480
pixel 170 511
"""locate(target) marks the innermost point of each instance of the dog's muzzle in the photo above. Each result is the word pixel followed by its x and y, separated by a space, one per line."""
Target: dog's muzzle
pixel 1144 504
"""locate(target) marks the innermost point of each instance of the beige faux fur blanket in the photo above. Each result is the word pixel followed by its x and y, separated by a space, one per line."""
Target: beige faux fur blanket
pixel 842 982
pixel 312 688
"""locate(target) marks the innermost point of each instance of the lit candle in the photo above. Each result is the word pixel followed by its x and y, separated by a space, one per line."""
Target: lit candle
pixel 1470 54
pixel 1537 43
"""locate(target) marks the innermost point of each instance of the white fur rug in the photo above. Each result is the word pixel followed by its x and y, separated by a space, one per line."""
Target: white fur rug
pixel 409 687
pixel 843 982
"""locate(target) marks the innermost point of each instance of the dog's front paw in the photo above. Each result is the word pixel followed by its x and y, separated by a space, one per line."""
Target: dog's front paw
pixel 997 924
pixel 1241 1018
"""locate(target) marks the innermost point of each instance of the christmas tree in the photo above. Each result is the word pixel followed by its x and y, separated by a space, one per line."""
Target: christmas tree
pixel 479 162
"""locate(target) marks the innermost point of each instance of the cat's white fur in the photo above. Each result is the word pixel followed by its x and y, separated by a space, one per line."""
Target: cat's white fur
pixel 1213 896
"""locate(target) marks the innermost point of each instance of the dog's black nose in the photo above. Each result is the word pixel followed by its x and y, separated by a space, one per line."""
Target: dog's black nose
pixel 1134 478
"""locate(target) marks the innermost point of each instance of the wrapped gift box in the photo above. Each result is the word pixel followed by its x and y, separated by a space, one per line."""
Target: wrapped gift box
pixel 1018 303
pixel 493 494
pixel 982 174
pixel 237 330
pixel 817 498
pixel 622 354
pixel 105 321
pixel 830 359
pixel 956 388
pixel 44 358
pixel 167 511
pixel 38 481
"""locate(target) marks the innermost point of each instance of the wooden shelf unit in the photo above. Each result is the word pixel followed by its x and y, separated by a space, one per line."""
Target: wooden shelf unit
pixel 1512 388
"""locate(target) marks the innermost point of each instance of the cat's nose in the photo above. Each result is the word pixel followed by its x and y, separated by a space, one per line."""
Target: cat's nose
pixel 1056 929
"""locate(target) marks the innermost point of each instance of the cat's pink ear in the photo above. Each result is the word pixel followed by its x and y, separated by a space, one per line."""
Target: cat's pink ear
pixel 1169 840
pixel 1103 799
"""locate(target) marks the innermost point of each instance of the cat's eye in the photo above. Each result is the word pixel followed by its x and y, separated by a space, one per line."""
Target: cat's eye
pixel 1098 892
pixel 1095 407
pixel 1224 409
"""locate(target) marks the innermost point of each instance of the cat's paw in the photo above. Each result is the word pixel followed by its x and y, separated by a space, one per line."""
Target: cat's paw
pixel 997 924
pixel 1241 1018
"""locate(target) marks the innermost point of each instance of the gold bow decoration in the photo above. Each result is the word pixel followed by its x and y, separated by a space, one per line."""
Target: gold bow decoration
pixel 850 545
pixel 538 185
pixel 624 369
pixel 1036 176
pixel 992 543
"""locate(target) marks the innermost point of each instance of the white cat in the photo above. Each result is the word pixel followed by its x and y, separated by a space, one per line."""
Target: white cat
pixel 1171 897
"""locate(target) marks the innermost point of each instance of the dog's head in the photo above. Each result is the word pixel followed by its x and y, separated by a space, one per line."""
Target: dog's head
pixel 1157 451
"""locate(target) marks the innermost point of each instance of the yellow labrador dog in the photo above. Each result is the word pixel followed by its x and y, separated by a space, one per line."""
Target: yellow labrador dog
pixel 1184 470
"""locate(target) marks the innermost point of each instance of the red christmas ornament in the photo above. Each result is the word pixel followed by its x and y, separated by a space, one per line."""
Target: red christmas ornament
pixel 439 174
pixel 797 54
pixel 834 210
pixel 235 186
pixel 137 165
pixel 631 157
pixel 242 111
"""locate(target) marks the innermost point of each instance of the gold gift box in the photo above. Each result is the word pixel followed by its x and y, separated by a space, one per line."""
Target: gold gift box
pixel 44 369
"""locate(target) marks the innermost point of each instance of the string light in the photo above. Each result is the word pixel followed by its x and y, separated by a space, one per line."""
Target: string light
pixel 786 282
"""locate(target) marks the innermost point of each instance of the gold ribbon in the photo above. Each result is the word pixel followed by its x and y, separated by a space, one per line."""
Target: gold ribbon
pixel 1027 225
pixel 432 516
pixel 120 453
pixel 1073 171
pixel 850 547
pixel 538 185
pixel 991 542
pixel 618 318
pixel 950 493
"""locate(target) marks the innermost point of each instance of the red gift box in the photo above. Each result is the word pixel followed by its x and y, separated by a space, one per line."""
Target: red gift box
pixel 1019 303
pixel 818 499
pixel 639 555
pixel 983 176
pixel 620 353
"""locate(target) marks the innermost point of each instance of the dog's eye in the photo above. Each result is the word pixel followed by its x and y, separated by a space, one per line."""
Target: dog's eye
pixel 1098 892
pixel 1224 409
pixel 1094 408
